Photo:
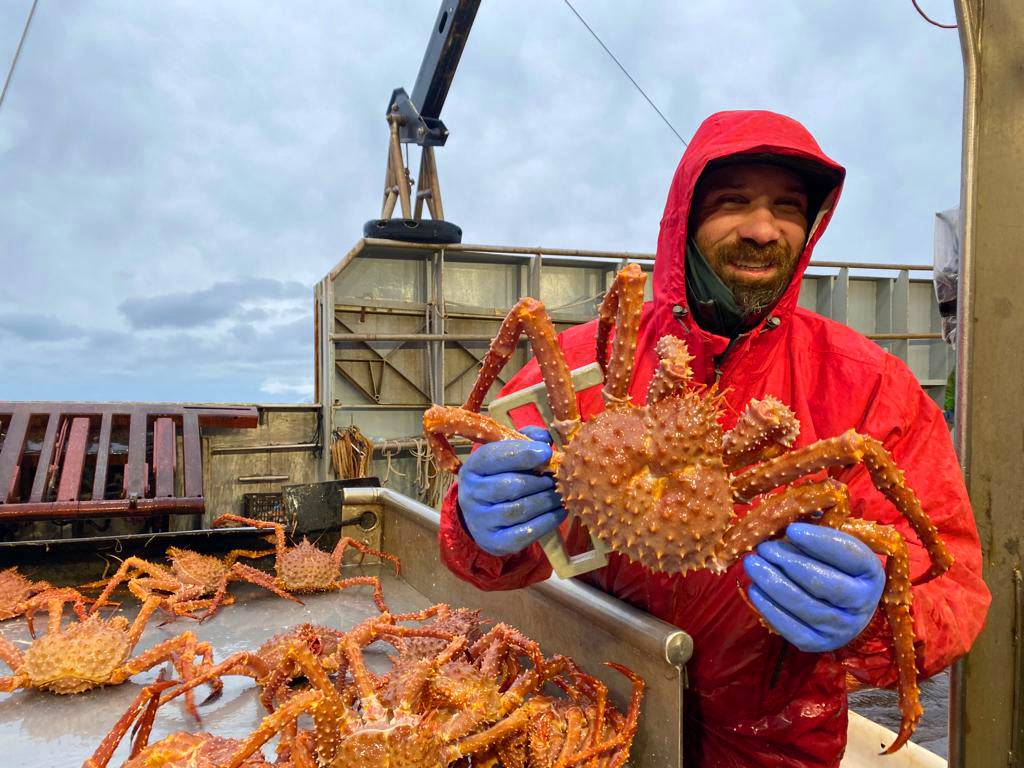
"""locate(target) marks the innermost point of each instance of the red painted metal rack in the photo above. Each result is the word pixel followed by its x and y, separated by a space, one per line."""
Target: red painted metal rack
pixel 54 486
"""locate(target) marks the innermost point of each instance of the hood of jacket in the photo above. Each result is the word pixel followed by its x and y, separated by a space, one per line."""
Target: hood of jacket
pixel 764 136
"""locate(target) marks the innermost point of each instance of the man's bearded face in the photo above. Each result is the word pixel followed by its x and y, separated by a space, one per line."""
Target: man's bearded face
pixel 751 226
pixel 756 275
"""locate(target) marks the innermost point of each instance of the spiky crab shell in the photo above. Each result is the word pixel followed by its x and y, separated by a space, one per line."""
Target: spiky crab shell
pixel 404 743
pixel 15 589
pixel 196 569
pixel 306 568
pixel 321 641
pixel 193 750
pixel 650 482
pixel 83 656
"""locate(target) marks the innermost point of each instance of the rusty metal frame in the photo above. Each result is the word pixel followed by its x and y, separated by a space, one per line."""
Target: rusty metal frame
pixel 65 445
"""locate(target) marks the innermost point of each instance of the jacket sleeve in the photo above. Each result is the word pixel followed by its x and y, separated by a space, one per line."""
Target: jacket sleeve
pixel 483 570
pixel 948 611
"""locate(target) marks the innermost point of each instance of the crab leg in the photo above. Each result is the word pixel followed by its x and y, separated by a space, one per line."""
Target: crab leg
pixel 10 654
pixel 54 601
pixel 441 422
pixel 885 540
pixel 364 549
pixel 243 663
pixel 242 572
pixel 460 726
pixel 621 308
pixel 148 700
pixel 844 450
pixel 500 731
pixel 773 514
pixel 273 724
pixel 528 316
pixel 180 651
pixel 625 735
pixel 252 554
pixel 122 574
pixel 280 545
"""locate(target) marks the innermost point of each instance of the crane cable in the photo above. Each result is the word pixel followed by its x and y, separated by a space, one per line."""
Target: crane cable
pixel 930 20
pixel 17 52
pixel 619 64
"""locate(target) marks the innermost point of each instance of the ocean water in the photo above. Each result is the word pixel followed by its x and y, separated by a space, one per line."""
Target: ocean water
pixel 933 730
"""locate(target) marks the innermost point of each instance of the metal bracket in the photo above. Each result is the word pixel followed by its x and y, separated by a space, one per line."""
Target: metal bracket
pixel 564 565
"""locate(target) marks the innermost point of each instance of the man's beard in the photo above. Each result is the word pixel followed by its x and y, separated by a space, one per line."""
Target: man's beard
pixel 754 297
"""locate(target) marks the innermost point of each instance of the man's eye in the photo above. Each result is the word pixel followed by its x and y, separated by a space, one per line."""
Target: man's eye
pixel 792 204
pixel 731 200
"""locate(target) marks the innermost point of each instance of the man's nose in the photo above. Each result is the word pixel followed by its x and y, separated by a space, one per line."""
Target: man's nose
pixel 760 227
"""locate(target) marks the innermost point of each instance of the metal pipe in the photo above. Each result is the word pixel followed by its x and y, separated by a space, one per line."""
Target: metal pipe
pixel 269 448
pixel 59 510
pixel 365 337
pixel 380 407
pixel 902 336
pixel 261 478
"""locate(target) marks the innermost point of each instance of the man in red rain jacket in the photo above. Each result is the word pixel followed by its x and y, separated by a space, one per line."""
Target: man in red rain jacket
pixel 752 338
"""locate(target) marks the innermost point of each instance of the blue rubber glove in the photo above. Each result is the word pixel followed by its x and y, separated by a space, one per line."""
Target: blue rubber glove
pixel 505 504
pixel 818 589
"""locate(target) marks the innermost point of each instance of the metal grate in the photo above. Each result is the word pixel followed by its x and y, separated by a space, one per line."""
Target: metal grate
pixel 67 474
pixel 266 506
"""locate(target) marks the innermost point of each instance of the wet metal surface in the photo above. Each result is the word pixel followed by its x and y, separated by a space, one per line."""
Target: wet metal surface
pixel 39 729
pixel 933 730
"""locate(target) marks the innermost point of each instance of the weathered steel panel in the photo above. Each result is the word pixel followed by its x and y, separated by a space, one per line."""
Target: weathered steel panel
pixel 47 461
pixel 74 460
pixel 10 455
pixel 164 456
pixel 99 483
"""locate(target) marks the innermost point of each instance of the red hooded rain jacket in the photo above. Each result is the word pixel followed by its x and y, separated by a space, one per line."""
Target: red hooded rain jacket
pixel 834 379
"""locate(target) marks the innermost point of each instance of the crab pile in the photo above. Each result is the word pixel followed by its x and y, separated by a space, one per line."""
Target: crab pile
pixel 457 691
pixel 657 482
pixel 454 692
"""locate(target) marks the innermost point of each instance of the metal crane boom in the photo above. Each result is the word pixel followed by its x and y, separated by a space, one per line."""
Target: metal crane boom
pixel 422 110
pixel 417 120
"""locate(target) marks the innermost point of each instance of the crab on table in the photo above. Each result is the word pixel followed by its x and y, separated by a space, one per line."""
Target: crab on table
pixel 182 749
pixel 582 728
pixel 305 568
pixel 193 582
pixel 269 665
pixel 16 593
pixel 94 652
pixel 374 734
pixel 657 482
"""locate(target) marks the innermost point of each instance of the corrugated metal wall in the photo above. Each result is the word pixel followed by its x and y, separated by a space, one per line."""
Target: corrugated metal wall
pixel 408 324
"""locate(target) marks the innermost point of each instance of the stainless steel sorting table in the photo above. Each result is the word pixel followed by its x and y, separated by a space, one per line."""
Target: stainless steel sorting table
pixel 40 729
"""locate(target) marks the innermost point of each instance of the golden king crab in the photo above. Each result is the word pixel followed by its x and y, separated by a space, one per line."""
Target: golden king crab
pixel 657 482
pixel 94 652
pixel 373 734
pixel 182 749
pixel 270 666
pixel 193 582
pixel 16 593
pixel 305 568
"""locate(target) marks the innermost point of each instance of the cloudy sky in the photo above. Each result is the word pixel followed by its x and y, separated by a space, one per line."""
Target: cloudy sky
pixel 175 176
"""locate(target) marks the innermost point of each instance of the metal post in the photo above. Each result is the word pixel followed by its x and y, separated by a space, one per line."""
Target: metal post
pixel 987 703
pixel 326 373
pixel 435 326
